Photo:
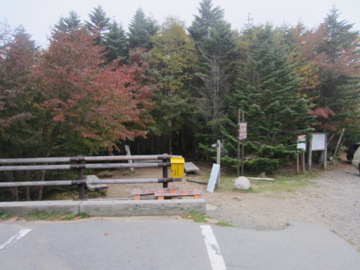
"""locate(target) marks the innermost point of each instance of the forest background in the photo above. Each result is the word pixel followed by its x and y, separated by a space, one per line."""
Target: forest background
pixel 171 89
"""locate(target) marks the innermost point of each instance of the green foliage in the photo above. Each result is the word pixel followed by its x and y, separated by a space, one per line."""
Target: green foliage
pixel 69 24
pixel 99 24
pixel 197 217
pixel 141 29
pixel 266 165
pixel 216 45
pixel 76 98
pixel 333 48
pixel 4 216
pixel 173 56
pixel 266 90
pixel 116 43
pixel 201 218
pixel 282 184
pixel 39 215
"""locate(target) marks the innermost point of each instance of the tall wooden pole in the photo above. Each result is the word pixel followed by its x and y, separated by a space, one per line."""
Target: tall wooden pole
pixel 242 149
pixel 238 148
pixel 218 156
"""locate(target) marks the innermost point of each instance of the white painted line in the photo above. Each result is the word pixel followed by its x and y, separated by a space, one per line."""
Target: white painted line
pixel 15 238
pixel 213 249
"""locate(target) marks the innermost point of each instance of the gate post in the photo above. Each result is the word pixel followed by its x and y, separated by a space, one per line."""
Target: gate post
pixel 165 172
pixel 79 167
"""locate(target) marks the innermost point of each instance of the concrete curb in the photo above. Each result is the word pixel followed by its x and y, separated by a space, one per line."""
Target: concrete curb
pixel 110 208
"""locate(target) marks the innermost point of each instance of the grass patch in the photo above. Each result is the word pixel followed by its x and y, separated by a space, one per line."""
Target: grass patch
pixel 288 184
pixel 282 184
pixel 202 218
pixel 224 224
pixel 4 216
pixel 39 215
pixel 195 216
pixel 91 194
pixel 62 195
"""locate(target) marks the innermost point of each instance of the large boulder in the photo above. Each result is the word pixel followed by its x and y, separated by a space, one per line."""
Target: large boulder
pixel 242 183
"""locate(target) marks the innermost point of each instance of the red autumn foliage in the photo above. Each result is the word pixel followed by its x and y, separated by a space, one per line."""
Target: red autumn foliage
pixel 16 62
pixel 81 94
pixel 324 113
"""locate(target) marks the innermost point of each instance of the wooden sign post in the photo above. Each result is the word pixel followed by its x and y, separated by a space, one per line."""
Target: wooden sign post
pixel 300 158
pixel 318 142
pixel 242 136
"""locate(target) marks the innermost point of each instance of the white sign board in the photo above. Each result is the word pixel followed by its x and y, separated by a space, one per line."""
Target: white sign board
pixel 301 142
pixel 318 142
pixel 213 177
pixel 242 130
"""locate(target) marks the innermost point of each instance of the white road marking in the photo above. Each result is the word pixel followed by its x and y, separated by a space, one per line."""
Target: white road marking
pixel 15 238
pixel 213 249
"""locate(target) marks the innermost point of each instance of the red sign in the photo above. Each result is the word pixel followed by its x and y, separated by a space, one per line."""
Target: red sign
pixel 301 138
pixel 242 130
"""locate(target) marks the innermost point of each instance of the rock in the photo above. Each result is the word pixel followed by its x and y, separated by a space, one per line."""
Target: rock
pixel 242 183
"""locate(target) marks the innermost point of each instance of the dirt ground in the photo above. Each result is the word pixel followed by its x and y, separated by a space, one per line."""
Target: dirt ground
pixel 332 200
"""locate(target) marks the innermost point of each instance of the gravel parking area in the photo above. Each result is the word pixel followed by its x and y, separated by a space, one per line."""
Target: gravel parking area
pixel 333 200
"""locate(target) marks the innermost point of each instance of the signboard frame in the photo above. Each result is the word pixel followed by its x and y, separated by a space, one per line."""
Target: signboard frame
pixel 301 142
pixel 242 130
pixel 318 142
pixel 213 177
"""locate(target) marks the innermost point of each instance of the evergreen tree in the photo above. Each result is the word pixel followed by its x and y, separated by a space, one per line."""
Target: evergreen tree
pixel 116 43
pixel 203 24
pixel 18 129
pixel 216 46
pixel 174 56
pixel 69 24
pixel 99 24
pixel 338 58
pixel 266 91
pixel 335 51
pixel 141 29
pixel 17 58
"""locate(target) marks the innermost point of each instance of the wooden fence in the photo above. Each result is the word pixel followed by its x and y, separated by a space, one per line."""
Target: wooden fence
pixel 79 163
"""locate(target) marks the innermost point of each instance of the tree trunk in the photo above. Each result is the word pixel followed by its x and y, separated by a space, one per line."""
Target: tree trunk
pixel 40 188
pixel 338 143
pixel 170 144
pixel 27 189
pixel 13 190
pixel 15 194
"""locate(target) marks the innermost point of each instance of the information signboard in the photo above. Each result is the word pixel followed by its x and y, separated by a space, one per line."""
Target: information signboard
pixel 301 142
pixel 318 142
pixel 213 177
pixel 242 130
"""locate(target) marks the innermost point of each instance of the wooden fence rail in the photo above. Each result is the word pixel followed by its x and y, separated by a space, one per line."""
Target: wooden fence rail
pixel 80 165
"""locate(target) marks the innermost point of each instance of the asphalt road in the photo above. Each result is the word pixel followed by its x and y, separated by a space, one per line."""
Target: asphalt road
pixel 168 243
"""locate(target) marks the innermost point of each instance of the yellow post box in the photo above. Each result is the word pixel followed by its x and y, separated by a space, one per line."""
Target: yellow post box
pixel 177 167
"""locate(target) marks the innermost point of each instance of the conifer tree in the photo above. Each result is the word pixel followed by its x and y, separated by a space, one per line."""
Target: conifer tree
pixel 216 45
pixel 116 43
pixel 174 56
pixel 338 58
pixel 99 24
pixel 18 129
pixel 141 29
pixel 333 49
pixel 69 24
pixel 266 91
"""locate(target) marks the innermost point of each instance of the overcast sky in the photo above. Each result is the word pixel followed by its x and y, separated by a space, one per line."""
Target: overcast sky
pixel 38 16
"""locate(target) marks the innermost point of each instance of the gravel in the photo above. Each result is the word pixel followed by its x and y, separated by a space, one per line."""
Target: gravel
pixel 333 200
